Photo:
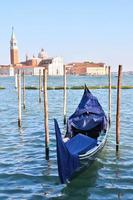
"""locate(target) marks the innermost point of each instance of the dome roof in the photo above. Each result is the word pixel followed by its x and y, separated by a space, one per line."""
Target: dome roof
pixel 42 54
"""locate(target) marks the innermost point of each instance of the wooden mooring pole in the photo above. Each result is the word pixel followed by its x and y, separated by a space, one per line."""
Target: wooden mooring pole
pixel 64 94
pixel 23 90
pixel 40 86
pixel 16 80
pixel 109 96
pixel 19 98
pixel 46 113
pixel 118 105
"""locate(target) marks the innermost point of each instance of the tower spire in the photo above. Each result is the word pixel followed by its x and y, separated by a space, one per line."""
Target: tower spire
pixel 13 49
pixel 13 42
pixel 12 29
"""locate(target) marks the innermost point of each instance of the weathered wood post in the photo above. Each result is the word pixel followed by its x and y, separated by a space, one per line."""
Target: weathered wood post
pixel 45 71
pixel 64 94
pixel 19 97
pixel 109 96
pixel 40 86
pixel 16 80
pixel 118 105
pixel 23 75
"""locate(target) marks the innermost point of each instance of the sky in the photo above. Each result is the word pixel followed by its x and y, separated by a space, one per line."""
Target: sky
pixel 77 30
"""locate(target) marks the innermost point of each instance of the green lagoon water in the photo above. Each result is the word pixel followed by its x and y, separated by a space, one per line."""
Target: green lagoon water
pixel 24 172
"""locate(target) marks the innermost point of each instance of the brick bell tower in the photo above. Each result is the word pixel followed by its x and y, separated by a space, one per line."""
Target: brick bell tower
pixel 13 49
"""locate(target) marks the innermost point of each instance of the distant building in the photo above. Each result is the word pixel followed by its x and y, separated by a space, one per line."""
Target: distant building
pixel 14 57
pixel 6 70
pixel 29 70
pixel 86 68
pixel 33 62
pixel 54 66
pixel 42 54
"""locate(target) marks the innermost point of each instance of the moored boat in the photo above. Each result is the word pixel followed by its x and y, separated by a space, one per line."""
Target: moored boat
pixel 85 137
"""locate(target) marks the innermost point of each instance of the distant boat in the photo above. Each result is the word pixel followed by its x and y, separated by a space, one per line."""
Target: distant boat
pixel 85 137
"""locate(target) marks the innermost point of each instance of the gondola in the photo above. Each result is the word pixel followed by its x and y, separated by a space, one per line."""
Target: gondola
pixel 85 137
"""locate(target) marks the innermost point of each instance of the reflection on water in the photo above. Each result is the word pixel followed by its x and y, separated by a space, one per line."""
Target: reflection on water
pixel 24 172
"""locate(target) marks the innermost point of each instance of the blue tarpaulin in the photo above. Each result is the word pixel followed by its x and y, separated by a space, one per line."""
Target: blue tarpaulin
pixel 67 162
pixel 80 144
pixel 67 153
pixel 88 118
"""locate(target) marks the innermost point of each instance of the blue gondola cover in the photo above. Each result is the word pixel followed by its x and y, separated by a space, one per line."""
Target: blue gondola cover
pixel 80 144
pixel 88 115
pixel 67 162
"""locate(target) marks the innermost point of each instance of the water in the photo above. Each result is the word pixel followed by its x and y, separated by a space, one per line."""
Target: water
pixel 24 172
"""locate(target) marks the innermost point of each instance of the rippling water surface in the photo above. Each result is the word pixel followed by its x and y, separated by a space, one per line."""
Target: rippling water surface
pixel 24 172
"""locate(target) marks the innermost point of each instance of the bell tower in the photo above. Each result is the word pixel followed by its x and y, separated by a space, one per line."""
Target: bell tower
pixel 13 49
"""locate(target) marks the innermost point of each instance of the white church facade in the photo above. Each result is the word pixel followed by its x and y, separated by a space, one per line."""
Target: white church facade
pixel 54 66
